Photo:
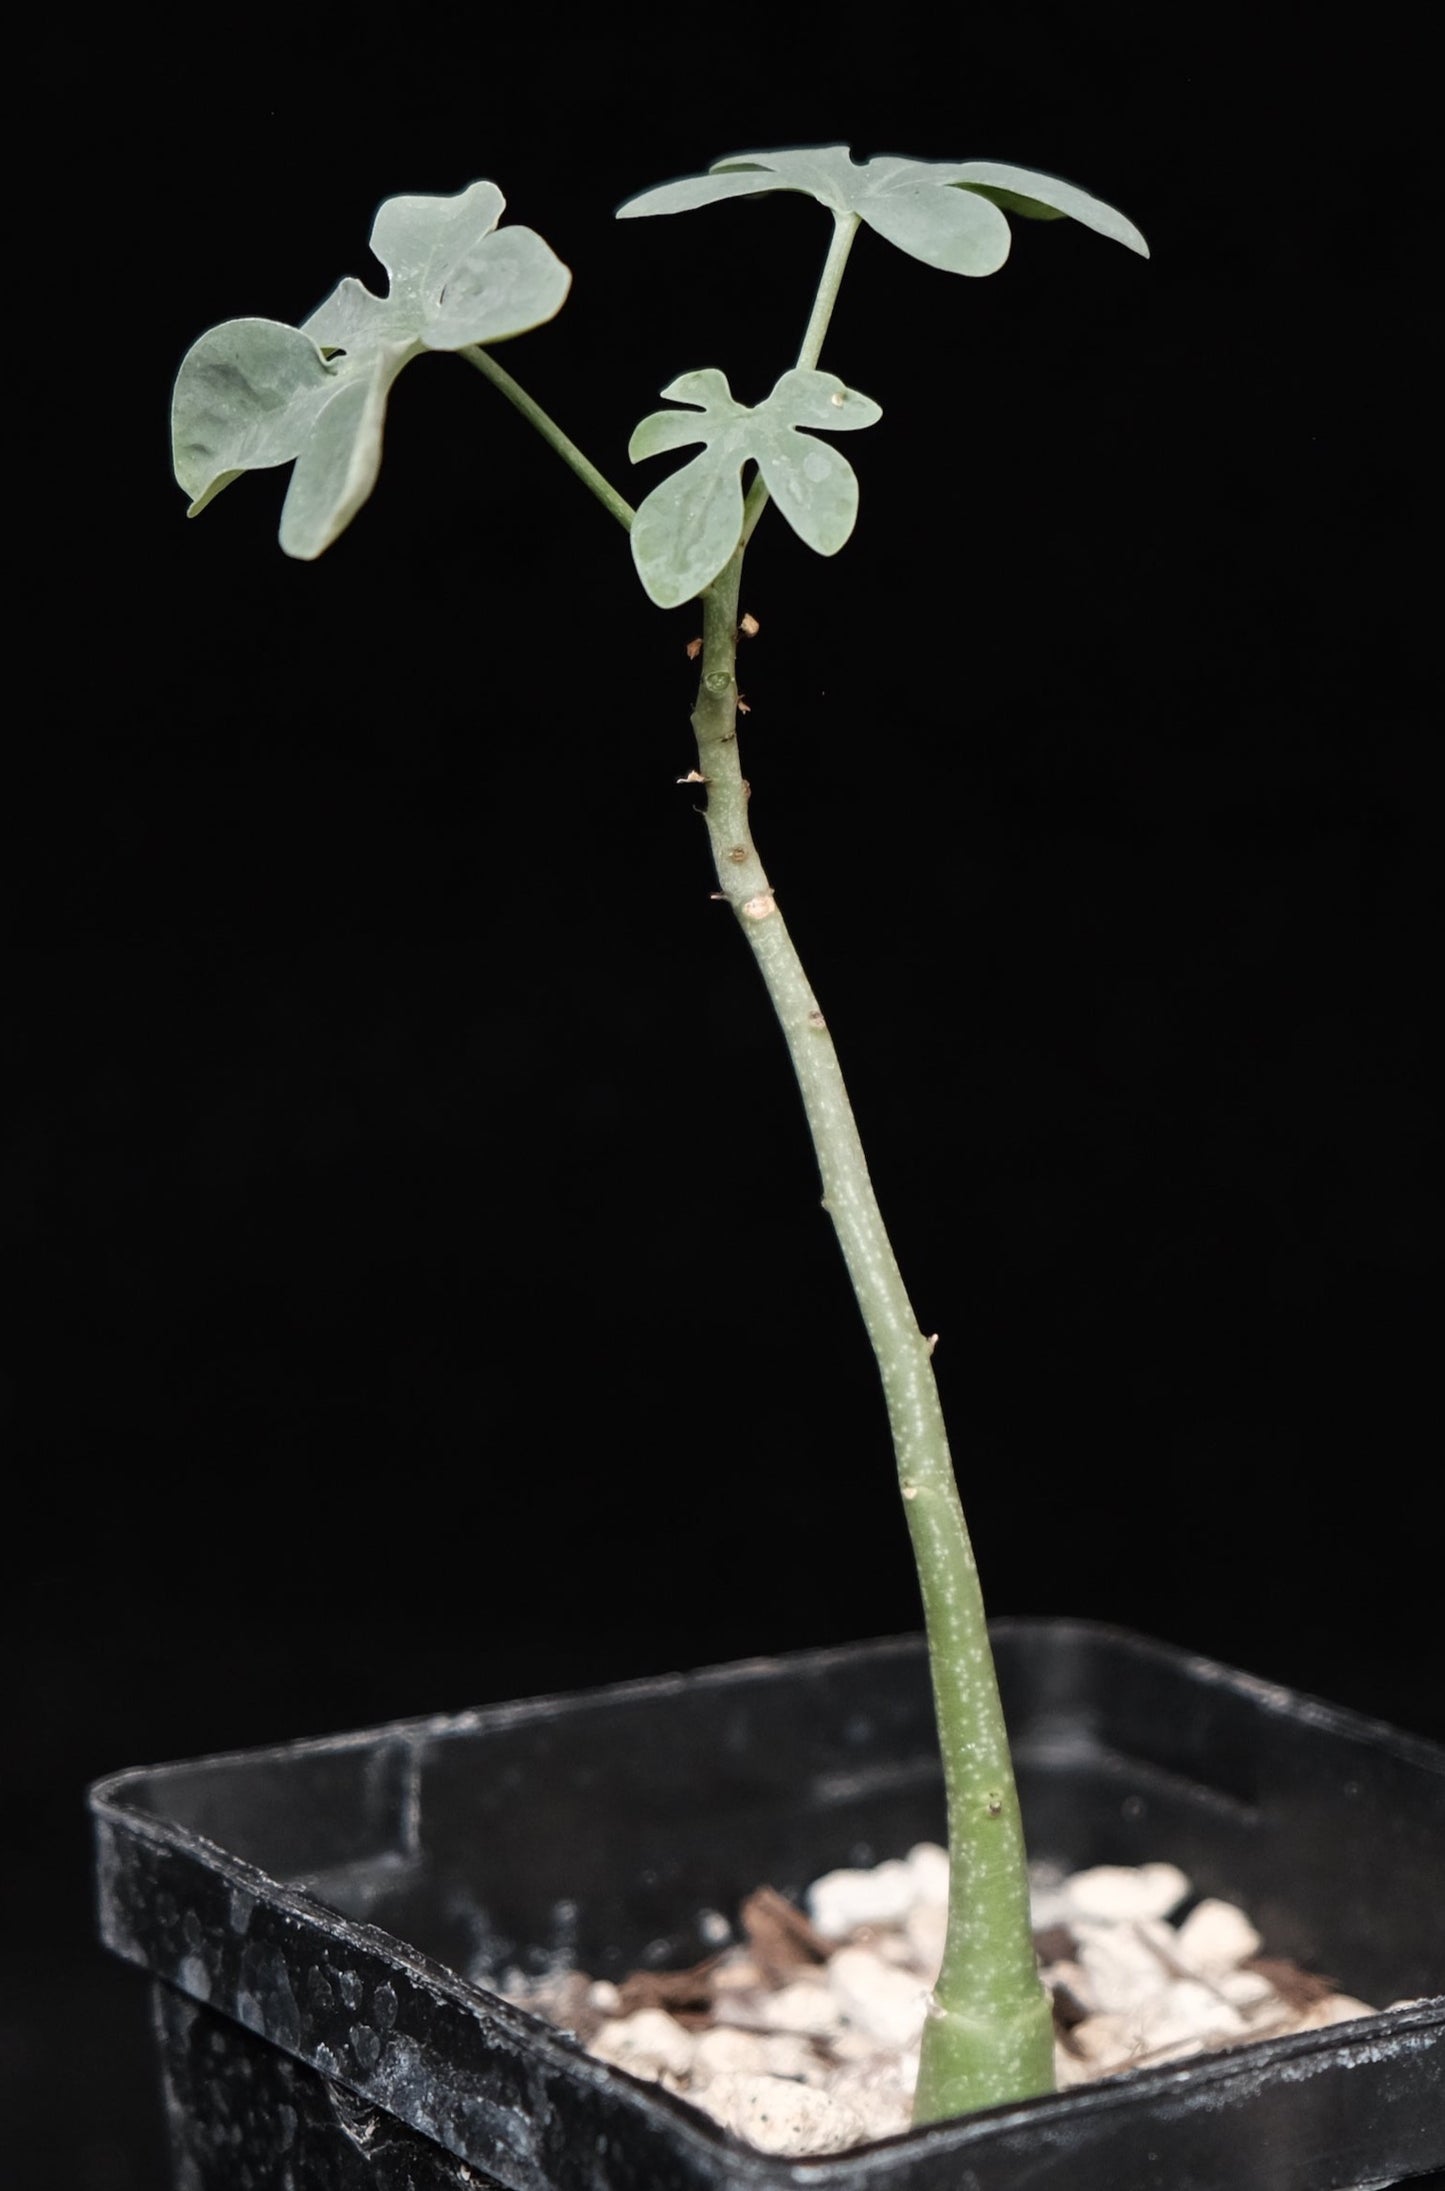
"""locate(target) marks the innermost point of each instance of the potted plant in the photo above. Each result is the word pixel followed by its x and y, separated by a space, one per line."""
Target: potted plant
pixel 524 2108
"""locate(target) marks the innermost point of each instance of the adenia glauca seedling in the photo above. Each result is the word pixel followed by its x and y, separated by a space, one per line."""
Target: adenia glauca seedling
pixel 254 393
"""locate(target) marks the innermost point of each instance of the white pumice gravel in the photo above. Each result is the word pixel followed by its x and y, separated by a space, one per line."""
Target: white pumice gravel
pixel 883 2000
pixel 1215 1938
pixel 651 2044
pixel 804 2037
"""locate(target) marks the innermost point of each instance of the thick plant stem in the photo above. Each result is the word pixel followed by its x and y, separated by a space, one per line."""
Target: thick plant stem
pixel 989 2036
pixel 551 433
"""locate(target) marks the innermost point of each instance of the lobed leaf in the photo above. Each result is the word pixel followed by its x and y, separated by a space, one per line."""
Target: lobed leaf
pixel 244 400
pixel 685 530
pixel 337 468
pixel 1045 197
pixel 254 393
pixel 949 214
pixel 950 229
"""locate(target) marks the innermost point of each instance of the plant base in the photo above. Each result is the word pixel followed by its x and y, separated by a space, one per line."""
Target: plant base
pixel 323 1920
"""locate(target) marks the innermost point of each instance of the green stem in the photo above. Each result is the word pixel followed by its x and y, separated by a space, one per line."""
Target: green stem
pixel 989 2036
pixel 845 228
pixel 551 432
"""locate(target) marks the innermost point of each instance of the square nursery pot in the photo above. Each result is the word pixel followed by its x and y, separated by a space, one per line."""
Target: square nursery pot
pixel 321 1921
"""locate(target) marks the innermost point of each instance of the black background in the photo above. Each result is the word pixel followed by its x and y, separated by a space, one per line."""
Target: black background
pixel 385 1341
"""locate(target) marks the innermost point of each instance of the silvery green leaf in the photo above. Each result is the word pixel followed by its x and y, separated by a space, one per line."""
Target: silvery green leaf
pixel 825 172
pixel 815 487
pixel 1043 195
pixel 421 240
pixel 662 431
pixel 255 393
pixel 461 278
pixel 686 529
pixel 1009 201
pixel 695 190
pixel 351 319
pixel 245 398
pixel 337 465
pixel 951 229
pixel 913 203
pixel 822 400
